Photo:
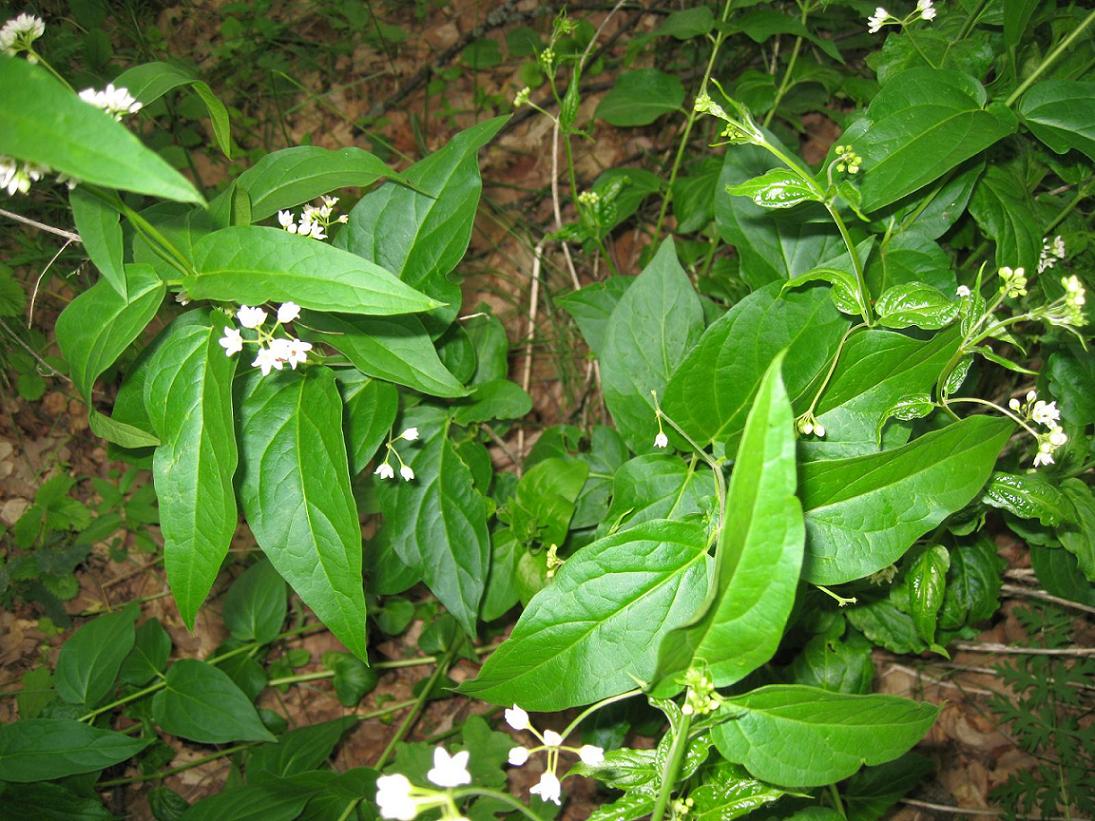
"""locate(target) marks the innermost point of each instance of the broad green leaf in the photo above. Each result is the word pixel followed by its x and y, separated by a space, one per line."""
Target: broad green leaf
pixel 181 225
pixel 1078 536
pixel 40 749
pixel 594 631
pixel 727 791
pixel 922 123
pixel 686 24
pixel 936 209
pixel 870 793
pixel 777 188
pixel 910 258
pixel 1072 380
pixel 255 605
pixel 540 509
pixel 712 389
pixel 397 349
pixel 886 625
pixel 150 81
pixel 591 307
pixel 497 399
pixel 762 24
pixel 149 655
pixel 694 195
pixel 1017 16
pixel 834 664
pixel 622 191
pixel 253 265
pixel 437 523
pixel 297 751
pixel 200 703
pixel 772 245
pixel 654 324
pixel 277 800
pixel 916 304
pixel 188 394
pixel 1028 496
pixel 420 237
pixel 488 338
pixel 640 97
pixel 1002 206
pixel 973 585
pixel 758 555
pixel 791 735
pixel 369 409
pixel 656 486
pixel 845 293
pixel 925 583
pixel 51 801
pixel 864 512
pixel 352 680
pixel 1059 573
pixel 90 658
pixel 909 407
pixel 45 123
pixel 1061 113
pixel 100 232
pixel 295 490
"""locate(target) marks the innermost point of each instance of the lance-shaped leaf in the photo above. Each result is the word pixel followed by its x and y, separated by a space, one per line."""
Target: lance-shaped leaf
pixel 47 748
pixel 369 410
pixel 252 264
pixel 594 631
pixel 758 557
pixel 863 513
pixel 926 584
pixel 1028 496
pixel 805 737
pixel 201 703
pixel 640 97
pixel 45 123
pixel 917 304
pixel 656 486
pixel 1061 113
pixel 778 188
pixel 438 523
pixel 295 491
pixel 92 656
pixel 101 233
pixel 188 393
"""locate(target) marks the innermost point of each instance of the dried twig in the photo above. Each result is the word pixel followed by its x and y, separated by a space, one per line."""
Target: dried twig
pixel 1006 649
pixel 41 226
pixel 530 335
pixel 901 668
pixel 927 805
pixel 1018 590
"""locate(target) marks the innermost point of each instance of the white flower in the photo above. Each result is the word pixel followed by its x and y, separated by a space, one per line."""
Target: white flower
pixel 552 738
pixel 330 202
pixel 1014 403
pixel 591 754
pixel 963 291
pixel 1057 437
pixel 393 797
pixel 877 20
pixel 232 342
pixel 266 359
pixel 819 431
pixel 1045 414
pixel 286 220
pixel 410 434
pixel 288 312
pixel 1031 396
pixel 517 718
pixel 449 770
pixel 549 788
pixel 925 9
pixel 406 472
pixel 1043 457
pixel 19 32
pixel 117 102
pixel 297 352
pixel 250 317
pixel 661 440
pixel 385 471
pixel 518 756
pixel 16 177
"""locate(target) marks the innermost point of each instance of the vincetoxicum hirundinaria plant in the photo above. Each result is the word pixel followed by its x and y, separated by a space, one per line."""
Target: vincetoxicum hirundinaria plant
pixel 807 436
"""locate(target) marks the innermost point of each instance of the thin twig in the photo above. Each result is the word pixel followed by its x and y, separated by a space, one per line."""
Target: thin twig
pixel 1017 590
pixel 1006 649
pixel 38 283
pixel 555 204
pixel 502 446
pixel 927 805
pixel 530 335
pixel 989 671
pixel 41 226
pixel 901 668
pixel 37 357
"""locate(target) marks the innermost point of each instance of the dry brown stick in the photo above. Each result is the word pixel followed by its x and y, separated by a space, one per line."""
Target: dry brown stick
pixel 901 668
pixel 1006 649
pixel 1018 590
pixel 927 805
pixel 989 671
pixel 555 203
pixel 530 335
pixel 41 226
pixel 38 283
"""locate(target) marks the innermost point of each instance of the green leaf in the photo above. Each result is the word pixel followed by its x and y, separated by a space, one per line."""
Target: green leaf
pixel 841 666
pixel 46 748
pixel 369 409
pixel 438 523
pixel 280 800
pixel 591 307
pixel 150 81
pixel 1002 207
pixel 1072 381
pixel 656 486
pixel 252 265
pixel 686 24
pixel 1059 573
pixel 51 801
pixel 902 493
pixel 200 703
pixel 916 304
pixel 760 25
pixel 922 123
pixel 906 409
pixel 100 232
pixel 726 791
pixel 255 605
pixel 777 188
pixel 488 338
pixel 845 293
pixel 149 655
pixel 1028 496
pixel 45 123
pixel 802 736
pixel 540 509
pixel 1061 113
pixel 652 326
pixel 925 582
pixel 497 399
pixel 420 237
pixel 640 97
pixel 712 389
pixel 397 349
pixel 759 552
pixel 594 631
pixel 295 490
pixel 887 626
pixel 871 792
pixel 90 659
pixel 353 680
pixel 972 592
pixel 297 751
pixel 188 394
pixel 1078 535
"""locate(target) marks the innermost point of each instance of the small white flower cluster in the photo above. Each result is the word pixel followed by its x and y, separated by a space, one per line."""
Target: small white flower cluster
pixel 385 470
pixel 701 697
pixel 924 10
pixel 589 198
pixel 877 20
pixel 397 797
pixel 522 97
pixel 549 788
pixel 847 159
pixel 1045 414
pixel 19 33
pixel 1013 282
pixel 16 177
pixel 1051 253
pixel 963 292
pixel 314 219
pixel 808 425
pixel 275 352
pixel 117 102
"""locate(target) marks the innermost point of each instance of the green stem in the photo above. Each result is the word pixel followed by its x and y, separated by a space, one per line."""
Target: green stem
pixel 505 798
pixel 689 122
pixel 1050 59
pixel 857 265
pixel 397 664
pixel 785 83
pixel 594 707
pixel 45 64
pixel 834 793
pixel 832 367
pixel 672 767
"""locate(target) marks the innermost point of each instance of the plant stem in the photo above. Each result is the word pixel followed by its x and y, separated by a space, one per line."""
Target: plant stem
pixel 397 664
pixel 689 122
pixel 860 276
pixel 832 367
pixel 786 81
pixel 1050 59
pixel 834 793
pixel 505 798
pixel 594 707
pixel 672 767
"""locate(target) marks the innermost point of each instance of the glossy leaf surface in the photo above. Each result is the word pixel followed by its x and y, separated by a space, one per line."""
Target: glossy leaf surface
pixel 46 748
